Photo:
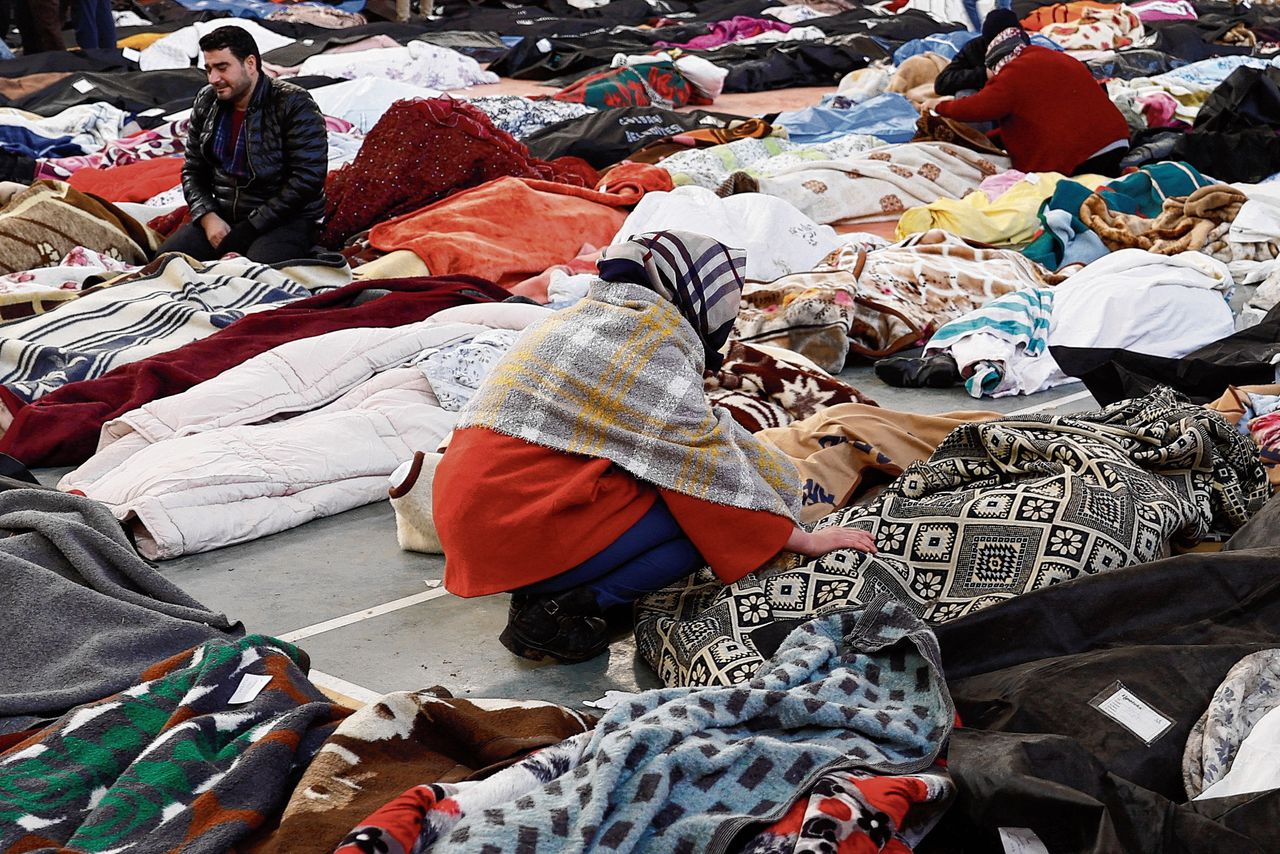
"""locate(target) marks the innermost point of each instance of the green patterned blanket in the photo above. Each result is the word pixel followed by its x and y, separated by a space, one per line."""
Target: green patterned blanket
pixel 190 760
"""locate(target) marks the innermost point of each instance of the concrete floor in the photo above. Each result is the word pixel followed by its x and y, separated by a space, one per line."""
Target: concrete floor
pixel 375 619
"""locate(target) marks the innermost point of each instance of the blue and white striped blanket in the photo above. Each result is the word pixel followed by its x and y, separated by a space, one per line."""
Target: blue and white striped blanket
pixel 171 302
pixel 1002 348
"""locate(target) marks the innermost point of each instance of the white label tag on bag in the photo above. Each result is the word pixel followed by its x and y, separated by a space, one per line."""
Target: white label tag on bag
pixel 543 46
pixel 1125 708
pixel 250 687
pixel 130 54
pixel 82 86
pixel 1021 840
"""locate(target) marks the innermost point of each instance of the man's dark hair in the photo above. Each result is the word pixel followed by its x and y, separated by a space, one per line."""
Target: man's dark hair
pixel 237 39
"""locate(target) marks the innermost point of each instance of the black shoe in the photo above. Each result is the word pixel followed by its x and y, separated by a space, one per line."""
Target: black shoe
pixel 567 627
pixel 940 371
pixel 936 371
pixel 900 371
pixel 518 601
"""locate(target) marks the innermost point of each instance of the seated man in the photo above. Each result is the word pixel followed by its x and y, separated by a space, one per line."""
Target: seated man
pixel 256 159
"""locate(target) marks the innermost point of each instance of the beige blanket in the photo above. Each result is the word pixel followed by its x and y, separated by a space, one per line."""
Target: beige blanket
pixel 880 302
pixel 875 186
pixel 843 450
pixel 914 77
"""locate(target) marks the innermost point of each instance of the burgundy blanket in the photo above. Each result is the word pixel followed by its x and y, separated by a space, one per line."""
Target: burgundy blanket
pixel 61 428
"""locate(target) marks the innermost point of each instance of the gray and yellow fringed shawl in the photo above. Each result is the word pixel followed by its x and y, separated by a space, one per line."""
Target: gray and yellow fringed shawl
pixel 618 376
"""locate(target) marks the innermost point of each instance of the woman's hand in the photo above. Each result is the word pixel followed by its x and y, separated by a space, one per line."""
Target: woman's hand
pixel 830 539
pixel 931 104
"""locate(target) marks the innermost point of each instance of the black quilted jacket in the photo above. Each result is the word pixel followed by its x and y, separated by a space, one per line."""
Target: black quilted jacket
pixel 288 152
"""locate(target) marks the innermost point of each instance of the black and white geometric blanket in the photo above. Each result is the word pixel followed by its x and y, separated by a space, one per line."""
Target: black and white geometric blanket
pixel 1001 508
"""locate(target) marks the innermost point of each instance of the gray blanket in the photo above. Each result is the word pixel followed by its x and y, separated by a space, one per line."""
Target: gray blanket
pixel 84 615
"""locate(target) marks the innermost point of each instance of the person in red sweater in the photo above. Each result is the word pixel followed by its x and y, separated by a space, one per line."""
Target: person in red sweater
pixel 590 469
pixel 1050 113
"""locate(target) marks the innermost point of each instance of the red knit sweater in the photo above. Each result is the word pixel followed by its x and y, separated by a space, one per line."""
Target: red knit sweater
pixel 1052 114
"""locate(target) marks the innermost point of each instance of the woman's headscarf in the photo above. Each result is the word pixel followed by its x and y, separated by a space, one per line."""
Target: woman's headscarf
pixel 997 21
pixel 701 277
pixel 1005 48
pixel 617 376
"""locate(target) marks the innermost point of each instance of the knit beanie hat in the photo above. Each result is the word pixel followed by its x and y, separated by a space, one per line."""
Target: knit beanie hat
pixel 1005 47
pixel 997 22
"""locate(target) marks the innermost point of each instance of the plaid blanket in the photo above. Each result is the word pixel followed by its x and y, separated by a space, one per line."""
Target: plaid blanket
pixel 677 770
pixel 170 302
pixel 177 763
pixel 619 377
pixel 1000 509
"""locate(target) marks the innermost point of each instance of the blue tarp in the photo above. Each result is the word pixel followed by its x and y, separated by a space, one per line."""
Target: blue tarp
pixel 947 45
pixel 890 117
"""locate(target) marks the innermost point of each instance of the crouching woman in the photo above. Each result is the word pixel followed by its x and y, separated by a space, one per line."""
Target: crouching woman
pixel 590 469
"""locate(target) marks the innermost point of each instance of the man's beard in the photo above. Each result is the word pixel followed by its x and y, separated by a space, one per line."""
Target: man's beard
pixel 230 93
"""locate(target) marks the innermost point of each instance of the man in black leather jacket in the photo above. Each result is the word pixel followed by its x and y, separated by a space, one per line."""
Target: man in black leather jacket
pixel 256 160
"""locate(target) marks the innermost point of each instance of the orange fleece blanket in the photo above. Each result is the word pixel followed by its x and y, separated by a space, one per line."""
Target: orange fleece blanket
pixel 133 182
pixel 510 229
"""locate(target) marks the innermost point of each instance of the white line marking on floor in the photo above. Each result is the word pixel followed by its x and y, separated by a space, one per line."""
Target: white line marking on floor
pixel 361 616
pixel 342 686
pixel 1052 404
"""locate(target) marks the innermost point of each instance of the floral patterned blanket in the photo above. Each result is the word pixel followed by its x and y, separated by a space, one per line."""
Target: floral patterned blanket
pixel 879 302
pixel 760 390
pixel 874 186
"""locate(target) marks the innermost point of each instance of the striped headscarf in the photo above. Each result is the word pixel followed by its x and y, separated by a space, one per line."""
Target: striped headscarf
pixel 701 277
pixel 1005 48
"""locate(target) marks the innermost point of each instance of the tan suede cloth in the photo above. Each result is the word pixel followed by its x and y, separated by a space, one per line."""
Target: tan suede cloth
pixel 914 77
pixel 844 449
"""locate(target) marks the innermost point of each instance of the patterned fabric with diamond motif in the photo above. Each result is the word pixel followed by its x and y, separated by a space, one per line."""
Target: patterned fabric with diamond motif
pixel 1000 509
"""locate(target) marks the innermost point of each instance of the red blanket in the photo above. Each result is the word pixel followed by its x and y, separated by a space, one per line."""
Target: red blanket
pixel 133 182
pixel 512 228
pixel 422 151
pixel 62 427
